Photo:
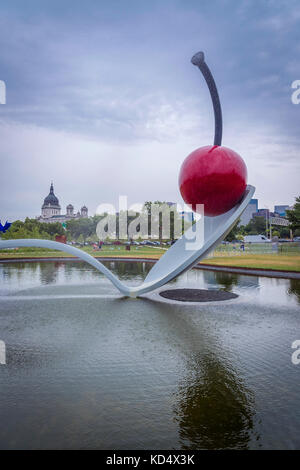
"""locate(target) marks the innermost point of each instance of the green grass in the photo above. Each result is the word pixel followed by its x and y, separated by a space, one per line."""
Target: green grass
pixel 120 251
pixel 285 262
pixel 106 251
pixel 282 261
pixel 257 248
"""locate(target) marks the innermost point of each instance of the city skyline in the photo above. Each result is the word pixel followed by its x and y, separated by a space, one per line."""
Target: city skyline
pixel 51 211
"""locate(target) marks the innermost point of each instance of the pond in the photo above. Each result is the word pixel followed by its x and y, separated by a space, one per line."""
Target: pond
pixel 87 368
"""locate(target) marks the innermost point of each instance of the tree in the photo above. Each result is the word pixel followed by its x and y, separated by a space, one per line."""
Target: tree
pixel 53 228
pixel 234 233
pixel 256 226
pixel 293 215
pixel 285 232
pixel 175 218
pixel 32 228
pixel 80 227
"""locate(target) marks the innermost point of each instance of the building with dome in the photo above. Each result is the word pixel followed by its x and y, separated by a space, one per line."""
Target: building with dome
pixel 51 210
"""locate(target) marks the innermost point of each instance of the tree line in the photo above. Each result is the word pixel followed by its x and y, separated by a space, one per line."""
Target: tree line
pixel 85 229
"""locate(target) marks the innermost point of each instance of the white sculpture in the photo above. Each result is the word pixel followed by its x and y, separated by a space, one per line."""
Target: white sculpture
pixel 173 263
pixel 222 180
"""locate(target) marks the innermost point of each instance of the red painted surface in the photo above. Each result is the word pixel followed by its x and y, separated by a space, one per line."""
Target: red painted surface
pixel 214 176
pixel 61 238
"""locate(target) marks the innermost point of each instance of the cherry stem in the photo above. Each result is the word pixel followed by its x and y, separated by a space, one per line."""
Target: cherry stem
pixel 199 61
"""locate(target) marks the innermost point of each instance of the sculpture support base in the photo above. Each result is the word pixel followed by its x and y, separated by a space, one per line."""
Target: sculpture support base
pixel 197 295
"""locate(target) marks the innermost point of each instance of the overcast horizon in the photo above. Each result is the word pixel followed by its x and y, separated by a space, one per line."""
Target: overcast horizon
pixel 102 98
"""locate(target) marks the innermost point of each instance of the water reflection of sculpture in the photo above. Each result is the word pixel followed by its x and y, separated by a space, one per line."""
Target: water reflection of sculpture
pixel 214 409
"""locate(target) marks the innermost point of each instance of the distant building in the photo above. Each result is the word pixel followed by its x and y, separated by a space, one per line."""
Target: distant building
pixel 51 205
pixel 249 211
pixel 281 210
pixel 265 213
pixel 252 211
pixel 51 210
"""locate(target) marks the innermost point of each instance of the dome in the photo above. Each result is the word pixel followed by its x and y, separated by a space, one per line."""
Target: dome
pixel 69 206
pixel 84 208
pixel 51 199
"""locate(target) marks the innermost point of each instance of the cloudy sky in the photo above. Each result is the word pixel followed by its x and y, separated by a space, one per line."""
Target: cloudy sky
pixel 103 100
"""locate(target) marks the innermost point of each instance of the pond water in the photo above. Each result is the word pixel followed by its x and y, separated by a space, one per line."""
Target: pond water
pixel 86 368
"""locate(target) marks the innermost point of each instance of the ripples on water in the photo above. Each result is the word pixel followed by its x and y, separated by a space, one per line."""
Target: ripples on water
pixel 87 368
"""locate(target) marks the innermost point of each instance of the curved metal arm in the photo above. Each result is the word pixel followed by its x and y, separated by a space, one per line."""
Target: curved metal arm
pixel 174 262
pixel 199 61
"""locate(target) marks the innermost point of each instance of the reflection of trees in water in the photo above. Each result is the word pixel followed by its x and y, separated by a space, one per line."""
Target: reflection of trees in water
pixel 124 270
pixel 11 269
pixel 127 269
pixel 215 410
pixel 70 266
pixel 19 270
pixel 209 276
pixel 49 271
pixel 295 288
pixel 226 280
pixel 221 279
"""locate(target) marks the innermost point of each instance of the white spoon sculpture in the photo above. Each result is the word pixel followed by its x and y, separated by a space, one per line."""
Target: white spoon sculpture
pixel 173 263
pixel 189 249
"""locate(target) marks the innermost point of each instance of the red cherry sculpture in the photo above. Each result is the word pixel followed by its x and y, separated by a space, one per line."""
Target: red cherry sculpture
pixel 213 175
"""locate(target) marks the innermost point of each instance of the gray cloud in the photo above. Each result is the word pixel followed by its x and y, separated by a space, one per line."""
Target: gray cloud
pixel 102 97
